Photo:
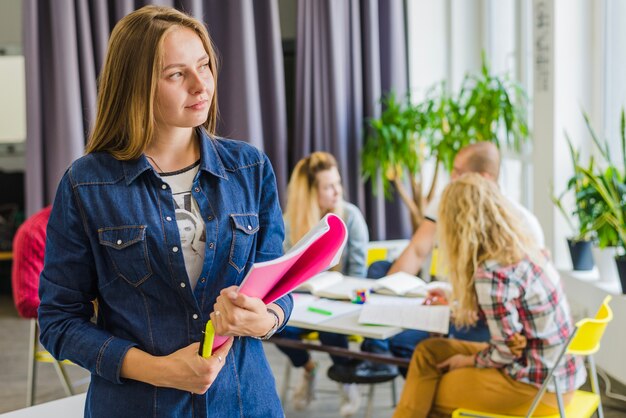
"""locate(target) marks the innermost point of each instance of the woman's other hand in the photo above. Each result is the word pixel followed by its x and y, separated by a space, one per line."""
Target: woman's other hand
pixel 457 361
pixel 183 369
pixel 517 344
pixel 186 370
pixel 436 297
pixel 236 314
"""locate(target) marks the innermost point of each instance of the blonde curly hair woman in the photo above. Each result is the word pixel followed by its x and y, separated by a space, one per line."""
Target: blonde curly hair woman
pixel 497 272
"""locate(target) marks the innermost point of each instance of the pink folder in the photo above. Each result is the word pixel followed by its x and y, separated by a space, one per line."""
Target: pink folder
pixel 317 251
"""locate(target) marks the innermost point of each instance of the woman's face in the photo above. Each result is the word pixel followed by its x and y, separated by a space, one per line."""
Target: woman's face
pixel 185 88
pixel 187 231
pixel 329 189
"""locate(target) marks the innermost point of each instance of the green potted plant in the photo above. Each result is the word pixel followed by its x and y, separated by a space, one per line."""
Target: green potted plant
pixel 581 218
pixel 486 108
pixel 609 199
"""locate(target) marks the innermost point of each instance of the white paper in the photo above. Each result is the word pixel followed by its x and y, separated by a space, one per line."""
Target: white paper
pixel 431 318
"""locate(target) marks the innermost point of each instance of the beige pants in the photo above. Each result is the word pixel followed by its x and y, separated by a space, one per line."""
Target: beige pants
pixel 428 392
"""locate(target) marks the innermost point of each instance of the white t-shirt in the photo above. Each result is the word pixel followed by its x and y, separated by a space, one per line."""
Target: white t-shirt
pixel 531 223
pixel 191 227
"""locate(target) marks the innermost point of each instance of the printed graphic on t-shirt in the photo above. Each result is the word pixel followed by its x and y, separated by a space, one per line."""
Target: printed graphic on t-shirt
pixel 192 233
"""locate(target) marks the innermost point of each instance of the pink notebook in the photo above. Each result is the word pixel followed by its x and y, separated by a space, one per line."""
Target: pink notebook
pixel 319 250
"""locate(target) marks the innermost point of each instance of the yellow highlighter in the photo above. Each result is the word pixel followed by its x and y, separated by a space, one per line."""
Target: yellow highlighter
pixel 206 345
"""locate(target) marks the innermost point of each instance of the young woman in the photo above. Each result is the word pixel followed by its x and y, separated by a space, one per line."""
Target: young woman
pixel 114 237
pixel 315 190
pixel 496 269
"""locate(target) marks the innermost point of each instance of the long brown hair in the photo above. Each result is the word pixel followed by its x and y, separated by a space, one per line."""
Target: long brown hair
pixel 127 85
pixel 303 210
pixel 476 224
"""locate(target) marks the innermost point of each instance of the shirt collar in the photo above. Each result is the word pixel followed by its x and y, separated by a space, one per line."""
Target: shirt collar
pixel 210 160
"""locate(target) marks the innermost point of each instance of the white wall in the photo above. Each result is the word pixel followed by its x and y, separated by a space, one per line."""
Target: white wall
pixel 566 32
pixel 11 156
pixel 288 11
pixel 11 26
pixel 428 63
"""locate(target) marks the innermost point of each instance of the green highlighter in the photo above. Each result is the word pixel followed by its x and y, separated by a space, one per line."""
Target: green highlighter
pixel 206 345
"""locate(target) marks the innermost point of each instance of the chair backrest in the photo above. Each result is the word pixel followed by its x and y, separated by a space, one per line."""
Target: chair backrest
pixel 376 254
pixel 589 331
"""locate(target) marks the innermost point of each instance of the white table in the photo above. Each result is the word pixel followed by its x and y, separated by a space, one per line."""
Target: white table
pixel 347 324
pixel 70 407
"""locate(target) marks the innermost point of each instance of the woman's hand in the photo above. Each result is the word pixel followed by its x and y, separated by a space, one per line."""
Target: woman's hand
pixel 183 369
pixel 436 297
pixel 186 370
pixel 517 344
pixel 236 314
pixel 457 361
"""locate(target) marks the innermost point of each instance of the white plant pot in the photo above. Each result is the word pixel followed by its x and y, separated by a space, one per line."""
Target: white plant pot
pixel 605 261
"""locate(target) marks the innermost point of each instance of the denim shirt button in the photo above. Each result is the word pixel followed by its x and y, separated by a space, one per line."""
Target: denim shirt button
pixel 194 316
pixel 249 228
pixel 182 284
pixel 175 249
pixel 202 280
pixel 168 218
pixel 210 217
pixel 211 245
pixel 119 242
pixel 197 189
pixel 164 186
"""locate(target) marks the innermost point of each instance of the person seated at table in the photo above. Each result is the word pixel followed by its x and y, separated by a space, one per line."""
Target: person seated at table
pixel 498 270
pixel 482 158
pixel 314 190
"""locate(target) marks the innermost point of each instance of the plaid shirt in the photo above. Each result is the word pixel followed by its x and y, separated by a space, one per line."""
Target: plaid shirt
pixel 527 298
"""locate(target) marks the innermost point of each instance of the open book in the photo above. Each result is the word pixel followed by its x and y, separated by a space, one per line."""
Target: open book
pixel 404 284
pixel 334 285
pixel 319 250
pixel 406 313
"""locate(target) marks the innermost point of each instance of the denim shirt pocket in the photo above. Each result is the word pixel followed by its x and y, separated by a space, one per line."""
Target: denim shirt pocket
pixel 128 249
pixel 245 226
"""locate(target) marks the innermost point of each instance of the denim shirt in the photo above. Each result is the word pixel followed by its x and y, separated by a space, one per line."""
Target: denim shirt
pixel 113 237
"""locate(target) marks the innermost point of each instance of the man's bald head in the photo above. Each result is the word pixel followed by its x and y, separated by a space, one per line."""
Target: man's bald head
pixel 481 157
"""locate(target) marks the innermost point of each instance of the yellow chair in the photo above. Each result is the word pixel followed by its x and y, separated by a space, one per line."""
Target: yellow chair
pixel 584 341
pixel 35 355
pixel 375 254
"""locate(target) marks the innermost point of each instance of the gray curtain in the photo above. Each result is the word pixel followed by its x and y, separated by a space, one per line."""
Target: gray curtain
pixel 64 47
pixel 348 54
